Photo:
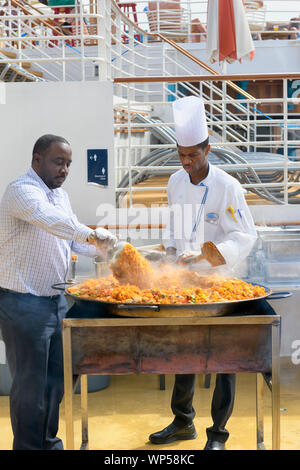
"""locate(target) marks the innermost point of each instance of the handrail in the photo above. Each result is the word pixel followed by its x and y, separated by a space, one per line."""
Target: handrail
pixel 128 20
pixel 29 5
pixel 205 66
pixel 181 50
pixel 199 78
pixel 28 12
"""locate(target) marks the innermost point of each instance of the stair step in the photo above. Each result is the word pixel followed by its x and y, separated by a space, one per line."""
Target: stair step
pixel 11 55
pixel 18 75
pixel 35 72
pixel 25 65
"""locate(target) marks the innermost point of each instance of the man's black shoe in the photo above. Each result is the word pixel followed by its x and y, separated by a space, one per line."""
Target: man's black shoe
pixel 214 445
pixel 174 433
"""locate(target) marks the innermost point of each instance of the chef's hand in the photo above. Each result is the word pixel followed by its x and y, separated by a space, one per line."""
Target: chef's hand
pixel 171 256
pixel 211 253
pixel 103 240
pixel 187 257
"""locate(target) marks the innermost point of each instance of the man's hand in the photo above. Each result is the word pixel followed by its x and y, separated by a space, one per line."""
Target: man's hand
pixel 103 240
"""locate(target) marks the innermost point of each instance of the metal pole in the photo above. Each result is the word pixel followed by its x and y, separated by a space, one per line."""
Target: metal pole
pixel 80 24
pixel 224 129
pixel 68 380
pixel 84 411
pixel 119 68
pixel 108 40
pixel 285 138
pixel 20 35
pixel 101 42
pixel 129 98
pixel 63 47
pixel 259 412
pixel 189 19
pixel 275 385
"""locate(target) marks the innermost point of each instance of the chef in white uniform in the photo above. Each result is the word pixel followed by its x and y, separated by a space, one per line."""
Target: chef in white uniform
pixel 206 204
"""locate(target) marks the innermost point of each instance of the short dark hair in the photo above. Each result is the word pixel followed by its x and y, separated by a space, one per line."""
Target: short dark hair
pixel 203 144
pixel 44 142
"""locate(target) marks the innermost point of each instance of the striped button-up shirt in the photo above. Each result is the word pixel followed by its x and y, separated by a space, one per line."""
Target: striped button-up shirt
pixel 38 232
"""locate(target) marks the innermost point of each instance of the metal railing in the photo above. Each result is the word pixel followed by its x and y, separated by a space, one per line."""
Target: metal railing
pixel 186 20
pixel 149 71
pixel 64 46
pixel 266 161
pixel 101 39
pixel 167 58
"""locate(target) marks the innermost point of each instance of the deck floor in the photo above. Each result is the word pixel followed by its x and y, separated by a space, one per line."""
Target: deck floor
pixel 122 416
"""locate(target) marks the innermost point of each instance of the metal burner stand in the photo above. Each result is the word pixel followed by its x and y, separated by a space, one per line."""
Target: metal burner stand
pixel 227 344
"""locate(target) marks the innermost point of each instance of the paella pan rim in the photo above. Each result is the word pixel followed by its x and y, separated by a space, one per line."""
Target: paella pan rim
pixel 203 305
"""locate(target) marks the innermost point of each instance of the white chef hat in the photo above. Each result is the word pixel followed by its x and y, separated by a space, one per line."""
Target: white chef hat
pixel 190 121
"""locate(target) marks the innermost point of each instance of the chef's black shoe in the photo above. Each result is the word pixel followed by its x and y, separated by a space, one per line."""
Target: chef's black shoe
pixel 214 445
pixel 174 433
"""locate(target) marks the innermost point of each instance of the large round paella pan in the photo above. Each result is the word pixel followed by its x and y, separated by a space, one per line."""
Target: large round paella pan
pixel 156 309
pixel 136 289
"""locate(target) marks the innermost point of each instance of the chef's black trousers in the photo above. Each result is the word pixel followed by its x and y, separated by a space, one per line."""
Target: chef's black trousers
pixel 224 392
pixel 32 335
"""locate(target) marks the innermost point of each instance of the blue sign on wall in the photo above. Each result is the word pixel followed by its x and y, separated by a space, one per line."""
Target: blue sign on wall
pixel 97 166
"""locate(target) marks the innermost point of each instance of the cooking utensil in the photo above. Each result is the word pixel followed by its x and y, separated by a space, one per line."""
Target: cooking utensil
pixel 130 267
pixel 210 252
pixel 145 248
pixel 167 310
pixel 116 250
pixel 192 259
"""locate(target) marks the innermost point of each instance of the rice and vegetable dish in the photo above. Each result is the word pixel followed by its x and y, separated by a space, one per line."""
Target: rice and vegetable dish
pixel 134 280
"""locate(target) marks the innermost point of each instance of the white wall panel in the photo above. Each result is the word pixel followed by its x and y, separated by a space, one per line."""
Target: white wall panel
pixel 80 112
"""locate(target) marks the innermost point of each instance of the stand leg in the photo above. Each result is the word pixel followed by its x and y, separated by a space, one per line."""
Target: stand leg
pixel 68 379
pixel 84 412
pixel 162 382
pixel 207 380
pixel 275 386
pixel 259 412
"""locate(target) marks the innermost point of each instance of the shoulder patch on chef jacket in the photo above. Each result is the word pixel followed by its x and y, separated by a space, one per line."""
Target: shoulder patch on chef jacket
pixel 212 218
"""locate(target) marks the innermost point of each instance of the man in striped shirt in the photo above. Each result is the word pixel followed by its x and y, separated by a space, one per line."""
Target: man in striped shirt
pixel 38 232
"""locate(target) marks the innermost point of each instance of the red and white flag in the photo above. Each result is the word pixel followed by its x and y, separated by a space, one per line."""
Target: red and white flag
pixel 228 33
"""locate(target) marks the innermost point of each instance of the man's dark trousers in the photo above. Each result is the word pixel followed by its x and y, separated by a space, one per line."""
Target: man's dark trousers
pixel 224 393
pixel 32 334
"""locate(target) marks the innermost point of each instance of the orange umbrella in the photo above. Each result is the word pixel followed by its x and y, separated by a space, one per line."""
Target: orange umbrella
pixel 228 34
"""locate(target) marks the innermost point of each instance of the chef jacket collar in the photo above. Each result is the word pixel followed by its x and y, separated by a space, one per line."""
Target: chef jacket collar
pixel 207 180
pixel 36 177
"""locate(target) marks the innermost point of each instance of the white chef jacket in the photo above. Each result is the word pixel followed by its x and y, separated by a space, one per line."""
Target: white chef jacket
pixel 206 209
